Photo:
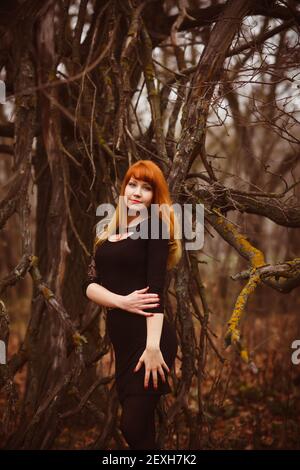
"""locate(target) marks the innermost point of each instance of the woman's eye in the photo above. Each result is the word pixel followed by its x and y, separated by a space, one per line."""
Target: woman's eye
pixel 147 188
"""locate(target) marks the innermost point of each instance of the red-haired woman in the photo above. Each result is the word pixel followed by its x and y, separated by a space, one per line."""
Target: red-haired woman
pixel 127 275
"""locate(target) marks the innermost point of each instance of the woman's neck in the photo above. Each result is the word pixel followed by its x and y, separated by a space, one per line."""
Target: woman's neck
pixel 133 219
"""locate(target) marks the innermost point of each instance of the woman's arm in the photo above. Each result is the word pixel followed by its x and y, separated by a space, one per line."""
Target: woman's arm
pixel 135 302
pixel 154 329
pixel 93 290
pixel 157 255
pixel 102 296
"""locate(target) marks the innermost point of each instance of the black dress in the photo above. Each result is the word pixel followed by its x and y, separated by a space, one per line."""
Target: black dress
pixel 122 267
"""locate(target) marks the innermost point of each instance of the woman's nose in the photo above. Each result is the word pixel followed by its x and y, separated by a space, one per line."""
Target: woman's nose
pixel 137 192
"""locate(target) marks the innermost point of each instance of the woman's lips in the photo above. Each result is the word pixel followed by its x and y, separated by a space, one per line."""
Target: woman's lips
pixel 135 201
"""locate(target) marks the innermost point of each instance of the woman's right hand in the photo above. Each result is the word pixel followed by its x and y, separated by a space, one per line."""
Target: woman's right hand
pixel 138 300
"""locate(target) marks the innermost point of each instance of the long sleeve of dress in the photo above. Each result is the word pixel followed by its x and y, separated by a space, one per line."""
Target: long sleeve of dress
pixel 157 255
pixel 92 276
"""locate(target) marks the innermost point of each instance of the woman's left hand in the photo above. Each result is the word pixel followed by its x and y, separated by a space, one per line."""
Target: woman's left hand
pixel 154 361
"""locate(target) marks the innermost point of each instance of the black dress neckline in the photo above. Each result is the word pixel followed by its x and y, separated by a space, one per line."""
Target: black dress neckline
pixel 128 230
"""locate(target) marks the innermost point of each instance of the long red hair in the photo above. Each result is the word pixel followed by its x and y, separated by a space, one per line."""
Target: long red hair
pixel 147 170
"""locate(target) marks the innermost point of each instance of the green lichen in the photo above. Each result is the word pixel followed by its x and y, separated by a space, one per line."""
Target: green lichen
pixel 257 260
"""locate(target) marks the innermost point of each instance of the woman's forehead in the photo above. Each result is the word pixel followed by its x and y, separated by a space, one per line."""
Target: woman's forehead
pixel 138 179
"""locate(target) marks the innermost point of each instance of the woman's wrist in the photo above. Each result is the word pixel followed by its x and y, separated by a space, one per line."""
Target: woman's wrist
pixel 118 301
pixel 152 346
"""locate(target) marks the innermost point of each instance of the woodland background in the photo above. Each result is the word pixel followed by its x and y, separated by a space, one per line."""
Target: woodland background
pixel 209 90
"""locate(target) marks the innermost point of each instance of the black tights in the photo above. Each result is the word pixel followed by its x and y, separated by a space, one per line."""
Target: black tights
pixel 138 421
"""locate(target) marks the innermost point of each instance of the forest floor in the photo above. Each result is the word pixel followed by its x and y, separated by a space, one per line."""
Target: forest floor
pixel 242 410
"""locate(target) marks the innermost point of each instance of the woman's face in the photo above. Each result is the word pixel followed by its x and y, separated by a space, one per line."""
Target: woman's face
pixel 138 193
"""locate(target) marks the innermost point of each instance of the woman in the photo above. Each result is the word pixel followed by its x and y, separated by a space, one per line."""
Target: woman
pixel 127 275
